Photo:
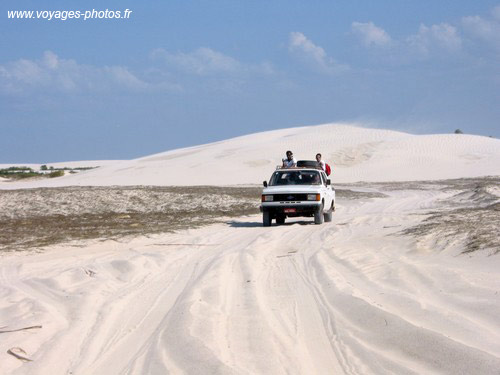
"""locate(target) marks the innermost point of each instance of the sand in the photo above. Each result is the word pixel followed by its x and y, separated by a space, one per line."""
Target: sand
pixel 355 153
pixel 394 284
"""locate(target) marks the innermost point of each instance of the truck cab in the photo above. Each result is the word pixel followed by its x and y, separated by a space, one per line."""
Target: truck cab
pixel 296 192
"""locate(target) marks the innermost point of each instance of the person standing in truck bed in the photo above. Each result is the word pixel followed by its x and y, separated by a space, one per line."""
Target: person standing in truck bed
pixel 289 161
pixel 323 164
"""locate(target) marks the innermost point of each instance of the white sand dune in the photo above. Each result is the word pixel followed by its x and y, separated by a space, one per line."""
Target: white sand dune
pixel 356 154
pixel 355 296
pixel 349 297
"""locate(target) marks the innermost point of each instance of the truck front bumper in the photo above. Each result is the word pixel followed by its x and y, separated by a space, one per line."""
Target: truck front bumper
pixel 291 209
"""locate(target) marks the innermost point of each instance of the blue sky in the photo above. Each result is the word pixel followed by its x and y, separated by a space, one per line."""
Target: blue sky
pixel 181 73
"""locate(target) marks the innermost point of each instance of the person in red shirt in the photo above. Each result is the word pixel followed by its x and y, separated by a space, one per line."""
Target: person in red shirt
pixel 323 165
pixel 321 162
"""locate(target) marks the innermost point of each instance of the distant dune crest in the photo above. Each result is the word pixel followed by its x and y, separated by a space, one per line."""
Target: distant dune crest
pixel 356 154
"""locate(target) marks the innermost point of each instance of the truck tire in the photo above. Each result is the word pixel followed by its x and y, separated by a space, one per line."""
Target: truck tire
pixel 318 216
pixel 266 219
pixel 280 220
pixel 328 215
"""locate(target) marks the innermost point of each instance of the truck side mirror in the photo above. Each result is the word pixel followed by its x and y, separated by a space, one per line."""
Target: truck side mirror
pixel 328 182
pixel 264 183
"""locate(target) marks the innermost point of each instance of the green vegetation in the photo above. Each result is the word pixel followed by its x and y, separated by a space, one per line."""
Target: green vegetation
pixel 16 173
pixel 16 170
pixel 56 174
pixel 39 217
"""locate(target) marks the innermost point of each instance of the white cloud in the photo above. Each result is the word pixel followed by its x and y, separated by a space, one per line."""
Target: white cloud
pixel 496 12
pixel 313 55
pixel 123 76
pixel 50 73
pixel 206 62
pixel 479 26
pixel 298 41
pixel 370 34
pixel 487 30
pixel 435 38
pixel 202 61
pixel 50 60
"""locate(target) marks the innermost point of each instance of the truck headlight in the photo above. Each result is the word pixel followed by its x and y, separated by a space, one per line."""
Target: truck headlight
pixel 267 198
pixel 313 197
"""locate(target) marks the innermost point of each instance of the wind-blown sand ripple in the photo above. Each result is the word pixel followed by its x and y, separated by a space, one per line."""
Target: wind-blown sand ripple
pixel 356 296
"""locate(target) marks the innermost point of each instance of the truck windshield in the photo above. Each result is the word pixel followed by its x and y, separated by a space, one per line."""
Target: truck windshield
pixel 295 178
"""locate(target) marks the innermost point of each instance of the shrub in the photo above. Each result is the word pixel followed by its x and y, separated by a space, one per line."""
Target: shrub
pixel 56 174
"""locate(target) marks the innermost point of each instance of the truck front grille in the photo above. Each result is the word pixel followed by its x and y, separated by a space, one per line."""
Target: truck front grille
pixel 289 197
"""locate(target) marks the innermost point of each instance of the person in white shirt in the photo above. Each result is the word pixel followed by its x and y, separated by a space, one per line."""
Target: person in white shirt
pixel 321 162
pixel 289 161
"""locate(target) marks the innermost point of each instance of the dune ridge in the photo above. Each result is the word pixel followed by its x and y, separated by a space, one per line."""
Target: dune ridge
pixel 356 154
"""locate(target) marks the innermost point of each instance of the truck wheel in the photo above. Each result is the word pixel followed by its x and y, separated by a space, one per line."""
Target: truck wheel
pixel 318 216
pixel 266 219
pixel 280 220
pixel 328 214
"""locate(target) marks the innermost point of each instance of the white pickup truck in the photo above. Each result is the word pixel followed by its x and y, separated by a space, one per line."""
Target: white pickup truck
pixel 294 192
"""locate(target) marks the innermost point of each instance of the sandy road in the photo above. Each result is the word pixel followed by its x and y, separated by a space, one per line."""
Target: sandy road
pixel 352 297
